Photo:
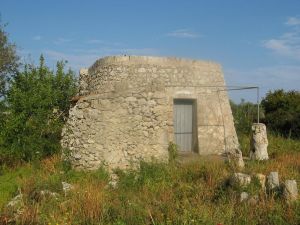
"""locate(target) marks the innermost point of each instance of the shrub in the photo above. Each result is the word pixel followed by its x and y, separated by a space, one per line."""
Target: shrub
pixel 9 61
pixel 173 151
pixel 37 105
pixel 282 112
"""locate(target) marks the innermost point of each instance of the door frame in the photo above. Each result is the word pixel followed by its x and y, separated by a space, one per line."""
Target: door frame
pixel 193 101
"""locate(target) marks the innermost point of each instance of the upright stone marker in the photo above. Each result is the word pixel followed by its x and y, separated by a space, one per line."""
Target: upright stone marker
pixel 262 180
pixel 273 181
pixel 290 190
pixel 259 142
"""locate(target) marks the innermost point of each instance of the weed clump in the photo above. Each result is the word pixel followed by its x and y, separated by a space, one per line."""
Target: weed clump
pixel 173 151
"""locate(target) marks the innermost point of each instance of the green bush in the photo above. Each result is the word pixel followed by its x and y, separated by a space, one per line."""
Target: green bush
pixel 37 104
pixel 173 151
pixel 9 61
pixel 282 112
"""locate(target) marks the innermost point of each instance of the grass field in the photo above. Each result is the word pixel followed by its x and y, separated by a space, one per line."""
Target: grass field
pixel 196 193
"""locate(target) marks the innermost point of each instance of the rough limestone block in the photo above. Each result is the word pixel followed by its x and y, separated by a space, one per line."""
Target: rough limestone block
pixel 241 179
pixel 67 187
pixel 262 180
pixel 44 194
pixel 290 190
pixel 244 196
pixel 83 81
pixel 259 142
pixel 234 154
pixel 273 181
pixel 16 201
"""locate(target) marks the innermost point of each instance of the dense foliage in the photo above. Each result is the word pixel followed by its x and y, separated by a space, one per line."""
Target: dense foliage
pixel 37 105
pixel 282 112
pixel 8 60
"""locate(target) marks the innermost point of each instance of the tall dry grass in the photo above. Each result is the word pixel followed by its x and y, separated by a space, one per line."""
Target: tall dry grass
pixel 195 193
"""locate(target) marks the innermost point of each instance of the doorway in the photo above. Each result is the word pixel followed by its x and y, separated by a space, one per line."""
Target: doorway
pixel 185 124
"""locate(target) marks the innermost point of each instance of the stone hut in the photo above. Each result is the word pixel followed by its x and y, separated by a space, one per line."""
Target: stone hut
pixel 130 108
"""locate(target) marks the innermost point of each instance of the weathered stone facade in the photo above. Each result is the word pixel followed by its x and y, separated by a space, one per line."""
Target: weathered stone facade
pixel 125 110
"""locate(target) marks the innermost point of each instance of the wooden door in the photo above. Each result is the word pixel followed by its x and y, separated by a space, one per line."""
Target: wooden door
pixel 183 124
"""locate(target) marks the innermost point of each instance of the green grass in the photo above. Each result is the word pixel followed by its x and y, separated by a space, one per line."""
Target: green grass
pixel 195 193
pixel 10 180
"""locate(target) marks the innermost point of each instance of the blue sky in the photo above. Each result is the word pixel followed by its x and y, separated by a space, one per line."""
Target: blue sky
pixel 257 42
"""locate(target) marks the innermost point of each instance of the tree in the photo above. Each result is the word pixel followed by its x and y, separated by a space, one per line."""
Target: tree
pixel 9 60
pixel 38 103
pixel 282 112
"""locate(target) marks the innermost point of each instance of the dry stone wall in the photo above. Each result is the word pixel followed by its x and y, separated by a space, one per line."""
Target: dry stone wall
pixel 125 110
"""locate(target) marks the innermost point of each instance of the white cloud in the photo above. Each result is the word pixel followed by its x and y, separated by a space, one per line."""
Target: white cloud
pixel 37 38
pixel 280 46
pixel 183 33
pixel 288 44
pixel 293 21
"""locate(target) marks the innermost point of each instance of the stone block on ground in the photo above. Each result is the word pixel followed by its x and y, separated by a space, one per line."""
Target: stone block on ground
pixel 16 201
pixel 46 194
pixel 241 179
pixel 244 196
pixel 273 181
pixel 67 187
pixel 235 156
pixel 262 180
pixel 290 190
